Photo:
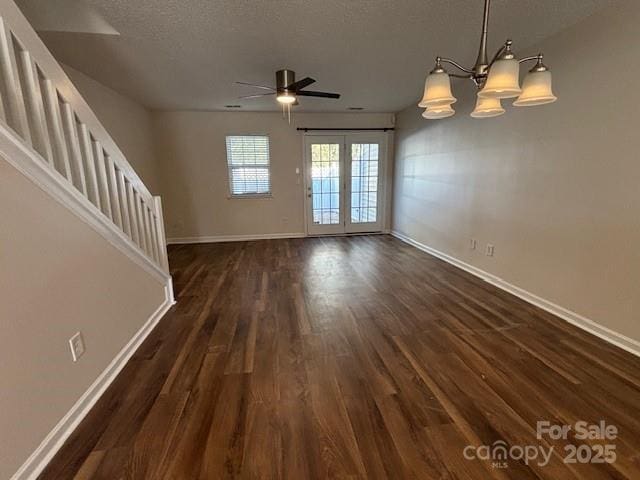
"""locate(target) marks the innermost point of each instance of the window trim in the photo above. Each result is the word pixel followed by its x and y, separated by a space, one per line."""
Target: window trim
pixel 247 196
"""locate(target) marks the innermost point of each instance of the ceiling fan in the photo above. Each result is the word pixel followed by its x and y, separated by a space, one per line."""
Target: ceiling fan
pixel 287 90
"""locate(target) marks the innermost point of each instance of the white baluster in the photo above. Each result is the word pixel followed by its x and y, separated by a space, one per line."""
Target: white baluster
pixel 116 212
pixel 3 113
pixel 133 213
pixel 11 88
pixel 54 123
pixel 89 164
pixel 147 230
pixel 35 108
pixel 103 183
pixel 153 224
pixel 141 229
pixel 73 147
pixel 162 239
pixel 124 203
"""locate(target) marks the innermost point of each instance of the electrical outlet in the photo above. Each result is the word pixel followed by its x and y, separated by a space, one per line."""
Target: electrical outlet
pixel 490 250
pixel 474 244
pixel 77 346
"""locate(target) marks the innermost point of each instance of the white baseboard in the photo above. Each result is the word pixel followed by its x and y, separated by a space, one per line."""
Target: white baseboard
pixel 232 238
pixel 39 459
pixel 611 336
pixel 265 236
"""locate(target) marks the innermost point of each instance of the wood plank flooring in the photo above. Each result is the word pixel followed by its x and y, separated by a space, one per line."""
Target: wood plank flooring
pixel 356 357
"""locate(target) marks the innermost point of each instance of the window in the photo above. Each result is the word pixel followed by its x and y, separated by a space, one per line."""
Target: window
pixel 248 161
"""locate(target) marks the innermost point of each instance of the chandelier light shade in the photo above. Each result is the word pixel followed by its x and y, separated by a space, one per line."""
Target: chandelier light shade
pixel 437 89
pixel 536 88
pixel 503 80
pixel 496 79
pixel 487 107
pixel 438 112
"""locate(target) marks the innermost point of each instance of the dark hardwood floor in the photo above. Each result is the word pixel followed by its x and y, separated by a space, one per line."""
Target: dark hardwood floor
pixel 355 357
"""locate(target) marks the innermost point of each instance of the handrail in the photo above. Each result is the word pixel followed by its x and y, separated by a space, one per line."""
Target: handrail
pixel 40 104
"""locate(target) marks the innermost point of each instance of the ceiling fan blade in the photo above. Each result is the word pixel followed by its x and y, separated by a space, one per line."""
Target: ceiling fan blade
pixel 257 86
pixel 308 93
pixel 300 84
pixel 258 95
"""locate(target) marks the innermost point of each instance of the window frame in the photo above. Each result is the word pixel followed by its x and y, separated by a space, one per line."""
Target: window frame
pixel 230 194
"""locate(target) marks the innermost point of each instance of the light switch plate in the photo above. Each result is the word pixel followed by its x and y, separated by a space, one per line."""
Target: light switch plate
pixel 76 343
pixel 490 250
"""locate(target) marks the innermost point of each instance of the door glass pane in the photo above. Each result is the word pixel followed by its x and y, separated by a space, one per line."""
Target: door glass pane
pixel 325 183
pixel 364 182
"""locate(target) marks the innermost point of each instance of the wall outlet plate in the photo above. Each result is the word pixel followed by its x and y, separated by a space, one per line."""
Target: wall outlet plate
pixel 490 250
pixel 473 244
pixel 76 343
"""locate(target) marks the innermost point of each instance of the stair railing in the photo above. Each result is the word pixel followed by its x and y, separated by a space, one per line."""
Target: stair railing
pixel 49 132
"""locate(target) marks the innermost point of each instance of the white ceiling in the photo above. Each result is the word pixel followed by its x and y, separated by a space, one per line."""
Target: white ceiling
pixel 186 54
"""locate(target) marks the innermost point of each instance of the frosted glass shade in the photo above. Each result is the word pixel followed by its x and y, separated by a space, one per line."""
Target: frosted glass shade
pixel 437 112
pixel 536 90
pixel 487 108
pixel 503 80
pixel 286 98
pixel 437 90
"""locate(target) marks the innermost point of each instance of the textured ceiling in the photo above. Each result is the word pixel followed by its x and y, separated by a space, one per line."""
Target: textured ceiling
pixel 186 54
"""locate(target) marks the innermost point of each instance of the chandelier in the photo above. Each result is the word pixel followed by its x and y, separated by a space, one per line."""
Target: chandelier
pixel 495 80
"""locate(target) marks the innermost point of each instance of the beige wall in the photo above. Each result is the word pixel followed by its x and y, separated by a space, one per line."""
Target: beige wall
pixel 192 153
pixel 128 123
pixel 555 188
pixel 57 276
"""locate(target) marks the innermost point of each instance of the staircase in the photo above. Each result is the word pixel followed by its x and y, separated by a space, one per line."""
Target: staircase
pixel 50 134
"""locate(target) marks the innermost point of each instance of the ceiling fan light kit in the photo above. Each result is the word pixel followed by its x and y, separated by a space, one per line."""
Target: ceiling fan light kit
pixel 495 80
pixel 286 98
pixel 285 80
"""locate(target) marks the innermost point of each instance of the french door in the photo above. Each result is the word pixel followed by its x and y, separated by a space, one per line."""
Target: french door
pixel 344 183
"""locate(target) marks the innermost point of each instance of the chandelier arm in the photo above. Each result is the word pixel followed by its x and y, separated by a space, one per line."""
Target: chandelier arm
pixel 467 77
pixel 532 57
pixel 455 64
pixel 496 56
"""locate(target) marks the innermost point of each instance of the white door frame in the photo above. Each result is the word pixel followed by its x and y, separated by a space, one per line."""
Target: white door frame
pixel 345 226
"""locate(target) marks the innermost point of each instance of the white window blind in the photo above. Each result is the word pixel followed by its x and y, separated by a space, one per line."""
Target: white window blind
pixel 248 161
